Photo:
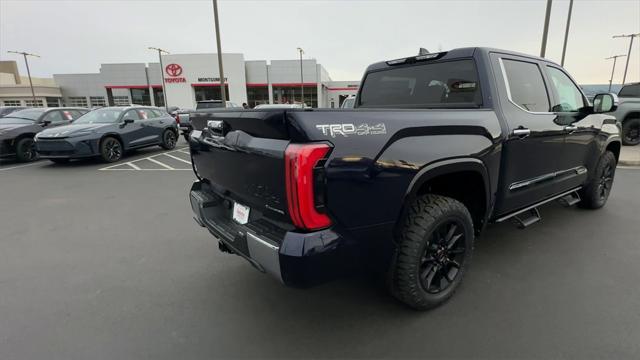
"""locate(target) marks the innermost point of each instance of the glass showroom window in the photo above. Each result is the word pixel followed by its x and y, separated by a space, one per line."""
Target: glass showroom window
pixel 291 95
pixel 12 103
pixel 31 103
pixel 209 92
pixel 158 97
pixel 257 95
pixel 97 101
pixel 78 101
pixel 120 100
pixel 141 97
pixel 52 102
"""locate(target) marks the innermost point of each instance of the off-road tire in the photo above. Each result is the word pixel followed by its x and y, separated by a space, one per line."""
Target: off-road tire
pixel 169 139
pixel 596 192
pixel 26 150
pixel 631 132
pixel 427 215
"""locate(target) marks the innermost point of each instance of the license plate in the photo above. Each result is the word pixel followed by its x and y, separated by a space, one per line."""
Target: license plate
pixel 240 213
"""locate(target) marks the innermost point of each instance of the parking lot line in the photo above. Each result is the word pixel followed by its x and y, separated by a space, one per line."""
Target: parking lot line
pixel 133 165
pixel 150 158
pixel 20 166
pixel 177 158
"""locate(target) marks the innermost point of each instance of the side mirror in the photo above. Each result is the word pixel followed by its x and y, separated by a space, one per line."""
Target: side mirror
pixel 46 122
pixel 605 102
pixel 128 121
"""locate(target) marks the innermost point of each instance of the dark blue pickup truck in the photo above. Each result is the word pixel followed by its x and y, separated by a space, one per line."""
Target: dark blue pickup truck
pixel 437 146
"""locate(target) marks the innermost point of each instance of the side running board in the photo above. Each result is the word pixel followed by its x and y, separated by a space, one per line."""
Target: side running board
pixel 530 215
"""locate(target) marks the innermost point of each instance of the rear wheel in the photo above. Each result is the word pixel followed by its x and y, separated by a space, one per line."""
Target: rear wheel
pixel 111 149
pixel 433 251
pixel 169 139
pixel 26 150
pixel 596 192
pixel 631 132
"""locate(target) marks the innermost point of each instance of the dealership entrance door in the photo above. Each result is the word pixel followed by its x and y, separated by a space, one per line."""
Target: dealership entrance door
pixel 209 92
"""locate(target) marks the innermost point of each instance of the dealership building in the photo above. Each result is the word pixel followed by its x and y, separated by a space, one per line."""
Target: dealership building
pixel 189 78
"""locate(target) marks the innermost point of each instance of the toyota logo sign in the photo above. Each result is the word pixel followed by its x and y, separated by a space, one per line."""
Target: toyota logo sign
pixel 173 70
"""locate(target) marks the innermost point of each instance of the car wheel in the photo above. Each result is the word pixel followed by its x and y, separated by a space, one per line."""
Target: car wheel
pixel 433 251
pixel 169 140
pixel 631 132
pixel 60 161
pixel 26 150
pixel 596 192
pixel 111 149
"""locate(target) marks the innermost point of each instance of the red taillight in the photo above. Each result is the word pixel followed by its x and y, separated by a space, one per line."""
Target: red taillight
pixel 177 119
pixel 300 160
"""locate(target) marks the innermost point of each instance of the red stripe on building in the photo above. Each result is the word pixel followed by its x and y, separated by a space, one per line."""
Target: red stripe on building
pixel 342 88
pixel 126 86
pixel 294 84
pixel 257 85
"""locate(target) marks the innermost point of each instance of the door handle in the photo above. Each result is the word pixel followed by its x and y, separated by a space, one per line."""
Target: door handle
pixel 570 128
pixel 521 132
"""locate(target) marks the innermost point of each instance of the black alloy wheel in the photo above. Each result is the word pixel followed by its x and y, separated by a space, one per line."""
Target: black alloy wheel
pixel 606 181
pixel 111 149
pixel 26 150
pixel 631 132
pixel 443 257
pixel 169 140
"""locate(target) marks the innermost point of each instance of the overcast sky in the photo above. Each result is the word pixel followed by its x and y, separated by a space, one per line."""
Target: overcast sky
pixel 344 36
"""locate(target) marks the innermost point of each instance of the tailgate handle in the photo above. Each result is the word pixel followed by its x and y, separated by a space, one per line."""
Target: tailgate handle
pixel 216 127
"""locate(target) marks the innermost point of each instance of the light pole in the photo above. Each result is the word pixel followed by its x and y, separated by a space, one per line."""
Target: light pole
pixel 545 31
pixel 222 87
pixel 624 77
pixel 566 33
pixel 301 78
pixel 26 63
pixel 164 90
pixel 615 58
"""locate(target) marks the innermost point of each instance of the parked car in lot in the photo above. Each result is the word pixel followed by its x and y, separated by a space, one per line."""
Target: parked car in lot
pixel 6 110
pixel 18 129
pixel 278 106
pixel 437 147
pixel 108 133
pixel 348 103
pixel 182 118
pixel 628 113
pixel 216 104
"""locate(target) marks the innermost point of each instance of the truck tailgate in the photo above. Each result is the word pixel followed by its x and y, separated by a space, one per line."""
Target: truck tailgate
pixel 241 154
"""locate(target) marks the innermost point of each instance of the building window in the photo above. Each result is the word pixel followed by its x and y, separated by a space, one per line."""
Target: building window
pixel 78 101
pixel 52 102
pixel 36 103
pixel 97 101
pixel 121 101
pixel 141 96
pixel 12 103
pixel 158 97
pixel 210 93
pixel 292 95
pixel 257 95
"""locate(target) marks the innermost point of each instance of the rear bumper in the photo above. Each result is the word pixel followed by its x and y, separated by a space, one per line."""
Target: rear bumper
pixel 295 259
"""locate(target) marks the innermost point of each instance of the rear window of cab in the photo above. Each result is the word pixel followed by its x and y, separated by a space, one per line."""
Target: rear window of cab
pixel 450 84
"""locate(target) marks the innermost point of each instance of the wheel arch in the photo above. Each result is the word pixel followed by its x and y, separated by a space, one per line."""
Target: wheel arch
pixel 445 178
pixel 631 115
pixel 113 135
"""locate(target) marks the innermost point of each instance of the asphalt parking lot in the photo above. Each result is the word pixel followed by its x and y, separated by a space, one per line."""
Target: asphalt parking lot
pixel 105 262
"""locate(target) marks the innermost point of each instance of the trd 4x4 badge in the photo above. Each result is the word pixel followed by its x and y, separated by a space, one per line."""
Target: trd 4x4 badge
pixel 352 129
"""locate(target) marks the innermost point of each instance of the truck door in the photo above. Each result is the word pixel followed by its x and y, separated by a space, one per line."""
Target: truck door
pixel 532 153
pixel 581 151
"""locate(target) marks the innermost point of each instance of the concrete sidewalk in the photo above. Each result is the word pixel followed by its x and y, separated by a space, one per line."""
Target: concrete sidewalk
pixel 630 156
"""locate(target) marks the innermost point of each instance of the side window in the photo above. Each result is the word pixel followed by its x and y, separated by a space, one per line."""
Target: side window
pixel 131 114
pixel 55 117
pixel 158 113
pixel 145 114
pixel 569 96
pixel 77 113
pixel 525 85
pixel 630 91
